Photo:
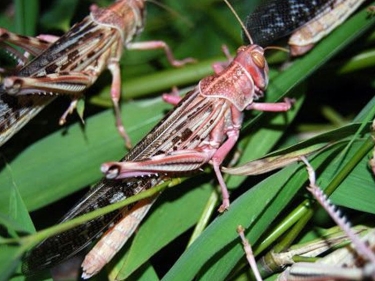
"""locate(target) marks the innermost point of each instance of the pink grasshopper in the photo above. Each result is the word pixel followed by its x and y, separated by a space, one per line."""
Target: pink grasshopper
pixel 72 63
pixel 201 129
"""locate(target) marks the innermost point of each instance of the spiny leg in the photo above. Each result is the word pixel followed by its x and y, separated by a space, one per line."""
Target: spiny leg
pixel 336 215
pixel 249 253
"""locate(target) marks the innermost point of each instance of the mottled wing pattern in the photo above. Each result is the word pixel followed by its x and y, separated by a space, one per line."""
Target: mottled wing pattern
pixel 65 245
pixel 185 127
pixel 74 51
pixel 277 18
pixel 15 112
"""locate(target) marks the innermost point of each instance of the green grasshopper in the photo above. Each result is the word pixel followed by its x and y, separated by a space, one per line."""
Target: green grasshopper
pixel 341 264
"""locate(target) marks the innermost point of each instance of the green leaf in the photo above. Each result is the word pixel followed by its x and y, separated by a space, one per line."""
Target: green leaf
pixel 220 239
pixel 154 235
pixel 60 15
pixel 51 168
pixel 9 260
pixel 27 12
pixel 16 218
pixel 72 157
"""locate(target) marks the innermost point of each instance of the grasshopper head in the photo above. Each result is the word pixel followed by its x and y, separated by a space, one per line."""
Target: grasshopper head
pixel 242 82
pixel 252 58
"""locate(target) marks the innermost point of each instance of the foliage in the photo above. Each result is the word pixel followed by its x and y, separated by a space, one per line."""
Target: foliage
pixel 44 165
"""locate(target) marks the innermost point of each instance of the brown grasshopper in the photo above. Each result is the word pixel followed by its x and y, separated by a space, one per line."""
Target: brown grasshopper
pixel 308 35
pixel 202 128
pixel 70 64
pixel 307 21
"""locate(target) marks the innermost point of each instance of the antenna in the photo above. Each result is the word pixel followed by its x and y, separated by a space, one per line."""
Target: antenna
pixel 277 48
pixel 240 21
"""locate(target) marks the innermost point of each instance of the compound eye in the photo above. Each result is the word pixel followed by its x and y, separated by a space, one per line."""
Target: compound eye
pixel 258 59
